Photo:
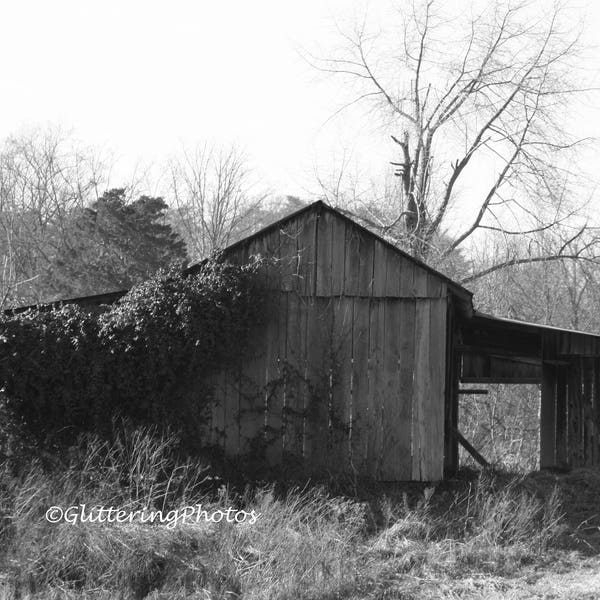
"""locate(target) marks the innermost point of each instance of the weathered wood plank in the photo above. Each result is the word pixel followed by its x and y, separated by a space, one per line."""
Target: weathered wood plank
pixel 407 370
pixel 254 247
pixel 318 375
pixel 548 416
pixel 434 402
pixel 252 404
pixel 276 384
pixel 295 353
pixel 338 256
pixel 352 262
pixel 341 408
pixel 365 269
pixel 307 247
pixel 251 389
pixel 324 253
pixel 379 269
pixel 271 250
pixel 588 411
pixel 239 255
pixel 422 390
pixel 574 397
pixel 561 417
pixel 288 255
pixel 563 343
pixel 217 434
pixel 436 287
pixel 580 415
pixel 230 384
pixel 375 449
pixel 596 411
pixel 393 274
pixel 407 274
pixel 305 388
pixel 420 282
pixel 395 466
pixel 451 393
pixel 360 385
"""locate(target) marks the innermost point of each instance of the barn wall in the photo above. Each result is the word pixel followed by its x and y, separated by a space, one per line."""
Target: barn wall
pixel 570 413
pixel 349 372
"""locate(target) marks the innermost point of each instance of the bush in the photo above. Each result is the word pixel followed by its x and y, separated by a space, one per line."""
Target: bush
pixel 149 357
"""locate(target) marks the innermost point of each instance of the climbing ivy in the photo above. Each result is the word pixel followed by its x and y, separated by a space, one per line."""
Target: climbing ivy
pixel 148 357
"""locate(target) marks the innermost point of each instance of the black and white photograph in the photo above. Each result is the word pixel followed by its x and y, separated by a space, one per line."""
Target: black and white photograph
pixel 300 300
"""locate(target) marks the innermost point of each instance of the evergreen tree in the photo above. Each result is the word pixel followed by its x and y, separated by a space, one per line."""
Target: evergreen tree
pixel 114 244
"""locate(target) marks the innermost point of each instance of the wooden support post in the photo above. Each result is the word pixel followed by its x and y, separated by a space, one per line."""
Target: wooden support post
pixel 548 417
pixel 596 412
pixel 561 417
pixel 587 407
pixel 574 420
pixel 451 396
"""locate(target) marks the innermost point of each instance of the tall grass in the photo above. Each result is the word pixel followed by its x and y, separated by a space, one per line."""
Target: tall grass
pixel 306 542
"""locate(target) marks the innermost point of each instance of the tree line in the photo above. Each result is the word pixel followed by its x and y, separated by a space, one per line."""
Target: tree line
pixel 64 232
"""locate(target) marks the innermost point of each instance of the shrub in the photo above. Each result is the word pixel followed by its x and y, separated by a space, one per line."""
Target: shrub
pixel 149 357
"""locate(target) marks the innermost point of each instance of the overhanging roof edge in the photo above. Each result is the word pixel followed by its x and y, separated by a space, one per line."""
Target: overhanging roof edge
pixel 525 324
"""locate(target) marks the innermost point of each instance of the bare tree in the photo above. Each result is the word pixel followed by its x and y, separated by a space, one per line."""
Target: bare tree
pixel 563 293
pixel 44 177
pixel 212 193
pixel 477 103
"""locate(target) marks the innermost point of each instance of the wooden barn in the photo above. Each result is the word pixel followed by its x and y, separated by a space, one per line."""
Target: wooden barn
pixel 359 366
pixel 350 373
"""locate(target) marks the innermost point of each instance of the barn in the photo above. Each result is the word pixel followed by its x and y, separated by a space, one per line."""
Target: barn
pixel 350 373
pixel 359 366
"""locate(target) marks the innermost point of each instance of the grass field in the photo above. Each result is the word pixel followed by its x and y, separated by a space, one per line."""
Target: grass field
pixel 480 535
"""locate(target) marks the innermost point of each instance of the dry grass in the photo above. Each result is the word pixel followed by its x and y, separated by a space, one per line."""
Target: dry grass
pixel 481 538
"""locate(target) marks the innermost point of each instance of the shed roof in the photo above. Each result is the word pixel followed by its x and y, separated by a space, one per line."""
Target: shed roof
pixel 501 337
pixel 526 325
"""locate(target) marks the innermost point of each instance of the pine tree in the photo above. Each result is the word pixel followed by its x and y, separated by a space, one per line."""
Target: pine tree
pixel 114 244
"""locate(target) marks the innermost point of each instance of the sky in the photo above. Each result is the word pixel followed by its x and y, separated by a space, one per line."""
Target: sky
pixel 142 78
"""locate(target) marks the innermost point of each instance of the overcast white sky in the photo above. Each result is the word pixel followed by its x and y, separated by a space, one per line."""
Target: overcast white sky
pixel 142 76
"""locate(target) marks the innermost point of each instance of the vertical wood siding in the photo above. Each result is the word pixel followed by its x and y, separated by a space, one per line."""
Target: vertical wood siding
pixel 570 398
pixel 348 373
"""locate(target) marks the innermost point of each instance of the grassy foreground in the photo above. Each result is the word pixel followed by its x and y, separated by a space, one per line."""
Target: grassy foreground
pixel 478 536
